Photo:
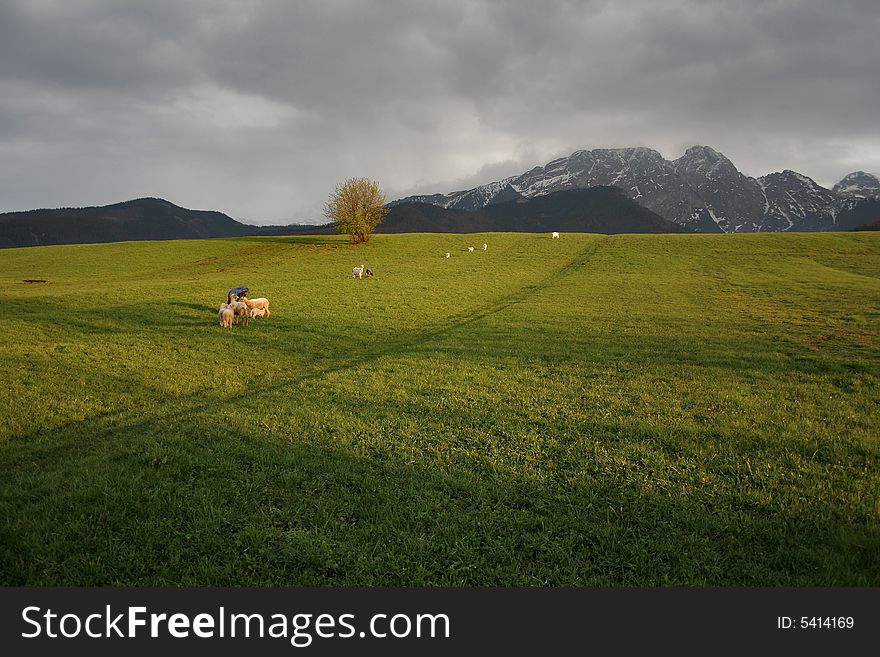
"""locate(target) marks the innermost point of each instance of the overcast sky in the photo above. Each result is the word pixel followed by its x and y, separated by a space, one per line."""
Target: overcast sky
pixel 257 108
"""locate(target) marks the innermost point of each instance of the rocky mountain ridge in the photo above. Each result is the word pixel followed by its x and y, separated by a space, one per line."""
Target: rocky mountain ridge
pixel 702 190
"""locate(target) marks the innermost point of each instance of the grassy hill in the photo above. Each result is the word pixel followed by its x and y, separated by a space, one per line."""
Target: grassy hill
pixel 593 410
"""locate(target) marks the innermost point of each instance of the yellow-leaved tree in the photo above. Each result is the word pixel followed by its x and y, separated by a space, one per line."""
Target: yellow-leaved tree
pixel 356 207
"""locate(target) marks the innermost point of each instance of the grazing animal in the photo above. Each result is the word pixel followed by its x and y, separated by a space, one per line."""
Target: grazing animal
pixel 367 272
pixel 257 312
pixel 470 249
pixel 555 235
pixel 358 272
pixel 240 309
pixel 225 316
pixel 448 255
pixel 259 302
pixel 485 246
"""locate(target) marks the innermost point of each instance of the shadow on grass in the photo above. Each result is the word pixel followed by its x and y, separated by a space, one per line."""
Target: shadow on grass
pixel 208 501
pixel 149 316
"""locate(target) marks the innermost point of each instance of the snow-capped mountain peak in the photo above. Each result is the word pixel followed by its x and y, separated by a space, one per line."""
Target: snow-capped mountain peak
pixel 858 184
pixel 701 190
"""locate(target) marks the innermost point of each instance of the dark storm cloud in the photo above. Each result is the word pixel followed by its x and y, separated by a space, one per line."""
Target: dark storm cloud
pixel 258 108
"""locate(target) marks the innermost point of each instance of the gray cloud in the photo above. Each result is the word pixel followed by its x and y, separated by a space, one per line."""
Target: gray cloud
pixel 258 108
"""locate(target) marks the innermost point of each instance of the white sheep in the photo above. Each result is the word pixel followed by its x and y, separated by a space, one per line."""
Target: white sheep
pixel 225 316
pixel 358 272
pixel 240 309
pixel 485 246
pixel 555 235
pixel 470 249
pixel 257 312
pixel 261 303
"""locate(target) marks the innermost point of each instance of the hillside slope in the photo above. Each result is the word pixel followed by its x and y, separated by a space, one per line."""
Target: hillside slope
pixel 597 410
pixel 595 210
pixel 139 219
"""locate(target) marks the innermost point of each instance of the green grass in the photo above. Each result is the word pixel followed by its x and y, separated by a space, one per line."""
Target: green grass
pixel 589 411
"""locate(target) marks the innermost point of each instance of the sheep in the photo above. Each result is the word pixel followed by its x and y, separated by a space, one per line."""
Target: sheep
pixel 485 246
pixel 225 316
pixel 448 255
pixel 240 309
pixel 555 235
pixel 470 249
pixel 257 312
pixel 259 302
pixel 358 272
pixel 367 272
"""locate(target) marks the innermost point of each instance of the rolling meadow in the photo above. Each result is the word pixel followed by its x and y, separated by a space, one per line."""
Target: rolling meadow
pixel 597 410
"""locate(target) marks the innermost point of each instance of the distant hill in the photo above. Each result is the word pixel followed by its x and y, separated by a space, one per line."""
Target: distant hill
pixel 874 226
pixel 593 210
pixel 294 229
pixel 140 219
pixel 862 216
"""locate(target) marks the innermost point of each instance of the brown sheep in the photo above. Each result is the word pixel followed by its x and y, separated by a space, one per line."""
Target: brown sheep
pixel 261 303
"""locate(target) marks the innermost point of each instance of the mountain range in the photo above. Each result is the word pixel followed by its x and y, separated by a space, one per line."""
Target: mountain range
pixel 603 191
pixel 701 191
pixel 595 210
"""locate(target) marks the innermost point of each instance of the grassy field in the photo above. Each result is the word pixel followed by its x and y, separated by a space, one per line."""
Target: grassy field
pixel 588 411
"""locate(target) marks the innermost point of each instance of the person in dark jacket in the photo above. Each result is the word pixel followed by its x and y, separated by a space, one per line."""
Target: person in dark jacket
pixel 237 293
